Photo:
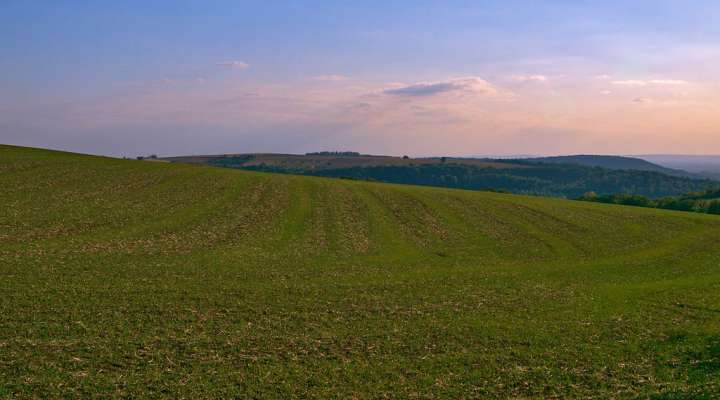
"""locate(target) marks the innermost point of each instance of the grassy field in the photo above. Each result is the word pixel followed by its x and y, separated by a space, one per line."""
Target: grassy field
pixel 140 279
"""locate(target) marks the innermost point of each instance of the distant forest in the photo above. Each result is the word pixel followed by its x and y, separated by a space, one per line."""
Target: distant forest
pixel 707 201
pixel 522 177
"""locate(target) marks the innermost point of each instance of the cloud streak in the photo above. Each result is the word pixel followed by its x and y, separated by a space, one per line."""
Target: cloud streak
pixel 330 78
pixel 233 64
pixel 662 82
pixel 427 89
pixel 668 82
pixel 529 78
pixel 422 89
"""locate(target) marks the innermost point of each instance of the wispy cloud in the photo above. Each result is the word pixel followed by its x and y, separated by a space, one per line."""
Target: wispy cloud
pixel 470 84
pixel 630 83
pixel 422 89
pixel 330 78
pixel 667 82
pixel 233 64
pixel 529 78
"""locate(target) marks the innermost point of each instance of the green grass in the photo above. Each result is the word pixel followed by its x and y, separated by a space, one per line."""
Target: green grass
pixel 139 279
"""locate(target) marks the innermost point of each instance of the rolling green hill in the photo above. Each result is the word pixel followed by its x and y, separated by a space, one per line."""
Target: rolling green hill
pixel 139 279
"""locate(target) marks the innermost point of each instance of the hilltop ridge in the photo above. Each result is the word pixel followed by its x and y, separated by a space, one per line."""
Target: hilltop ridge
pixel 613 162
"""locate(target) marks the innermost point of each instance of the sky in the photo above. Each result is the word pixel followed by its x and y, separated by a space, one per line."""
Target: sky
pixel 455 78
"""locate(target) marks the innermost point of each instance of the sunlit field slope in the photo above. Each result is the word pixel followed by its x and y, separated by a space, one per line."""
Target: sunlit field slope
pixel 147 279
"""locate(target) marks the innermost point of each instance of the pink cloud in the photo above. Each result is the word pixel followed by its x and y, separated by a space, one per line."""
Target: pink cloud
pixel 530 78
pixel 331 78
pixel 666 82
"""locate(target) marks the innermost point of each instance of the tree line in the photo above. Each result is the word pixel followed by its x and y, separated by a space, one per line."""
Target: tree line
pixel 707 201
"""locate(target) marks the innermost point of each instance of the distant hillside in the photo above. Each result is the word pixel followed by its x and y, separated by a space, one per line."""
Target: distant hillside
pixel 704 165
pixel 517 176
pixel 612 162
pixel 299 163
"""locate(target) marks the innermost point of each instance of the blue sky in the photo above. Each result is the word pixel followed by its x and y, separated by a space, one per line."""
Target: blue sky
pixel 418 77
